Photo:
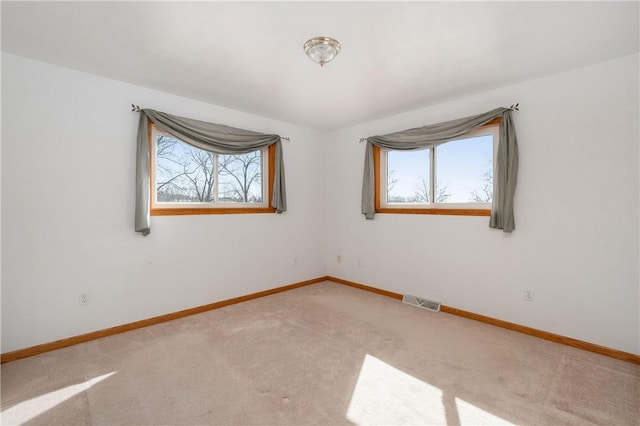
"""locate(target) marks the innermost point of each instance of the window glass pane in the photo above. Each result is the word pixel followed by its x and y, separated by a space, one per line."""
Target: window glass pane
pixel 240 178
pixel 464 171
pixel 184 174
pixel 408 176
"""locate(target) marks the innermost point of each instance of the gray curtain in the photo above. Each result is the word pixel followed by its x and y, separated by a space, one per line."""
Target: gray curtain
pixel 208 136
pixel 506 167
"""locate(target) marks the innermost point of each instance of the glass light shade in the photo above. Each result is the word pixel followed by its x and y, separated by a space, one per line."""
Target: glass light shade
pixel 322 49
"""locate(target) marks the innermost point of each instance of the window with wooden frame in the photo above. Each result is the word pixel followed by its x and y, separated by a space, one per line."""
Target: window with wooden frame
pixel 187 180
pixel 454 178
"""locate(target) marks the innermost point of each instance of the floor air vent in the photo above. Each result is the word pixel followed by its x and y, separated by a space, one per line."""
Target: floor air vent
pixel 421 303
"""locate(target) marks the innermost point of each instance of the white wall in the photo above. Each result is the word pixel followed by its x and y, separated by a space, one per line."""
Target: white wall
pixel 68 182
pixel 576 238
pixel 68 169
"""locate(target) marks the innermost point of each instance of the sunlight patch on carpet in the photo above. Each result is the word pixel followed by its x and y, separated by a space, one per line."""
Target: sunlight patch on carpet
pixel 32 408
pixel 470 414
pixel 385 395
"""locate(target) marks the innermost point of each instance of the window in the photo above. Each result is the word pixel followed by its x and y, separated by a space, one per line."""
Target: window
pixel 189 180
pixel 453 178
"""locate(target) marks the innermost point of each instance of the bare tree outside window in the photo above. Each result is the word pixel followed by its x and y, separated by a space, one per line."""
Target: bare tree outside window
pixel 199 172
pixel 422 192
pixel 391 180
pixel 485 194
pixel 186 174
pixel 457 174
pixel 241 177
pixel 167 180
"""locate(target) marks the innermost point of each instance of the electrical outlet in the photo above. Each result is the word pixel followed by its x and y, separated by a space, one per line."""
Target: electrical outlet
pixel 529 295
pixel 84 299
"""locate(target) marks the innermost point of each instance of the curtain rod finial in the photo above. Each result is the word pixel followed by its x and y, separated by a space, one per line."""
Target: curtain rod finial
pixel 135 108
pixel 515 107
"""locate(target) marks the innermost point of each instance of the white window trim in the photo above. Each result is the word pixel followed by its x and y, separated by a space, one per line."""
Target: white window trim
pixel 155 132
pixel 493 130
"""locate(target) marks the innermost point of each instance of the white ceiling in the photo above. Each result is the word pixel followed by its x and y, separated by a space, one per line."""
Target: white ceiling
pixel 396 56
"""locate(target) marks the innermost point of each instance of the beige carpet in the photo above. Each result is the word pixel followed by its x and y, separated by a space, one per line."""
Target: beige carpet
pixel 322 354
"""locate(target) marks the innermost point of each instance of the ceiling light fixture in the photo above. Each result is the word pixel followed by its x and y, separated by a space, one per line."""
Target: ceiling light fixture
pixel 322 49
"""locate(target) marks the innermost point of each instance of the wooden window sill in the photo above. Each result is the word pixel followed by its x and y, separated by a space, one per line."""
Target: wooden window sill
pixel 223 210
pixel 454 212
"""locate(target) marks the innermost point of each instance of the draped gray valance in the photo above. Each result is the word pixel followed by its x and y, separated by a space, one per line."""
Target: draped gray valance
pixel 208 136
pixel 506 167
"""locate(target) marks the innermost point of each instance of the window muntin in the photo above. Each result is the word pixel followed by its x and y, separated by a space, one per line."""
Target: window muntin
pixel 189 180
pixel 453 178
